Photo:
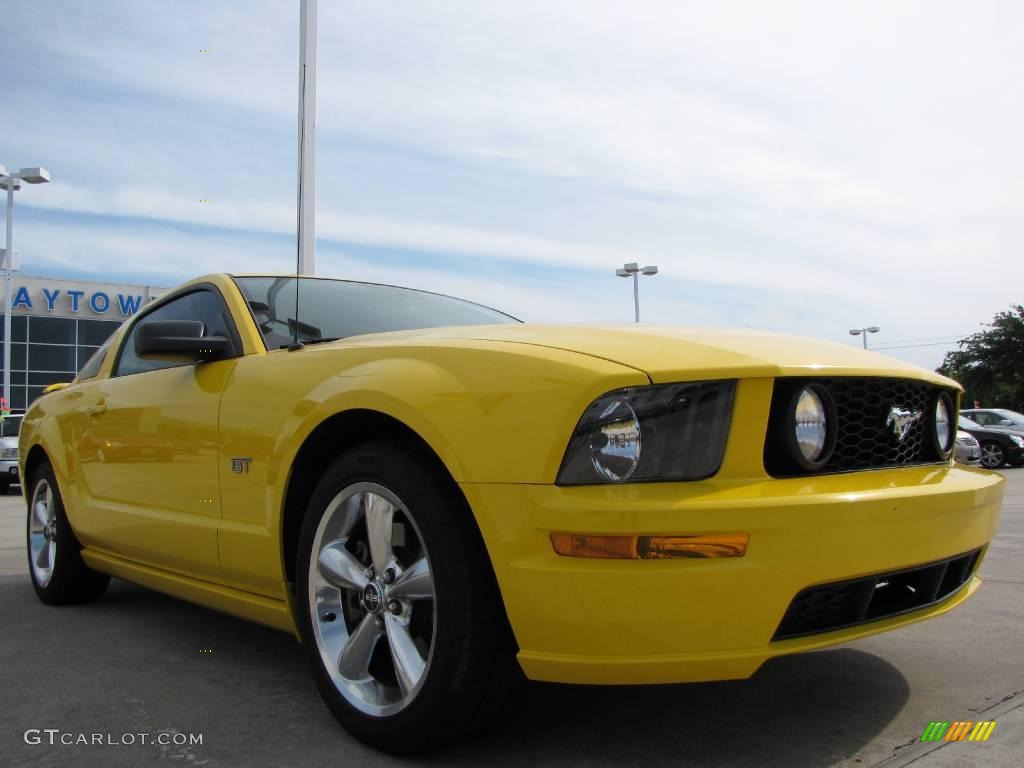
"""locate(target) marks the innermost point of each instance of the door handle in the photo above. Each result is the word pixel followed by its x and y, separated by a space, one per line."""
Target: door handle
pixel 96 409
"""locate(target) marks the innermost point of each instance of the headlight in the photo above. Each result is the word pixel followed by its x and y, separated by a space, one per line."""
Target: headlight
pixel 942 430
pixel 809 432
pixel 810 425
pixel 664 432
pixel 1017 440
pixel 615 442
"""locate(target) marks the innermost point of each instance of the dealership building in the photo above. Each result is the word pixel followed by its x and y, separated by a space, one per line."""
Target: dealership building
pixel 57 324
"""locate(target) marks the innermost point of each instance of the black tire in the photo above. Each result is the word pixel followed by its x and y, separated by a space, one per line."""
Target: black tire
pixel 5 488
pixel 70 580
pixel 472 676
pixel 992 455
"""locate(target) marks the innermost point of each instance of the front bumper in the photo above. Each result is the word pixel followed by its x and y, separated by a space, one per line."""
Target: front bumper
pixel 660 621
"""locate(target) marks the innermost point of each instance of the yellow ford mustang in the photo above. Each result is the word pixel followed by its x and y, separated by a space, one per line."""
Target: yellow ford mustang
pixel 440 500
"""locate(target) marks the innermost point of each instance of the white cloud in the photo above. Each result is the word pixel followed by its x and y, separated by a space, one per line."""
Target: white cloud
pixel 819 165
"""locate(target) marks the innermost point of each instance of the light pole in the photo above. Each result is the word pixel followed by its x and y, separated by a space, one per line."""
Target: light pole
pixel 863 333
pixel 634 270
pixel 12 182
pixel 307 138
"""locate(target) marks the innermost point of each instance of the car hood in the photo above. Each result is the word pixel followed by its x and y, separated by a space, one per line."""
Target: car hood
pixel 676 353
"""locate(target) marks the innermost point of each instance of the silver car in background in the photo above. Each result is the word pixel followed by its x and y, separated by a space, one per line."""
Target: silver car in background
pixel 9 428
pixel 968 449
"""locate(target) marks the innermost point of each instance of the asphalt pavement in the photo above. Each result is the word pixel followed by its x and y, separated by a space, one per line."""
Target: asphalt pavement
pixel 141 666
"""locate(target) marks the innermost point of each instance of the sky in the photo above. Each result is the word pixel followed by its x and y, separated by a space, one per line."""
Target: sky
pixel 808 167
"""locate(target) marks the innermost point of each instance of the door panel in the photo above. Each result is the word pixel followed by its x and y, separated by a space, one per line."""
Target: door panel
pixel 148 461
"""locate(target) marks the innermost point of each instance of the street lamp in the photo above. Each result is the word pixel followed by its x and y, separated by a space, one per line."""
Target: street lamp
pixel 634 270
pixel 12 182
pixel 863 333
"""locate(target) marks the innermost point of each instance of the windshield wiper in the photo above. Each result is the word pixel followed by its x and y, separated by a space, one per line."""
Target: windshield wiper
pixel 306 342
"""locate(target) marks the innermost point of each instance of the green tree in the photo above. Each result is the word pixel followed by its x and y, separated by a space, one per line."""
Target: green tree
pixel 990 363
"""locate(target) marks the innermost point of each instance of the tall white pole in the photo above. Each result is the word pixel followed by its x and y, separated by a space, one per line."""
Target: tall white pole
pixel 307 137
pixel 8 288
pixel 636 297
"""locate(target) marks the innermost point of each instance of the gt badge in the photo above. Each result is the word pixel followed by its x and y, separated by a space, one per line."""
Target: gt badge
pixel 240 465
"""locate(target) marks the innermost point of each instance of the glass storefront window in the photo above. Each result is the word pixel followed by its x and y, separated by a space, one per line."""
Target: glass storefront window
pixel 51 330
pixel 17 357
pixel 84 353
pixel 18 323
pixel 51 357
pixel 46 378
pixel 93 333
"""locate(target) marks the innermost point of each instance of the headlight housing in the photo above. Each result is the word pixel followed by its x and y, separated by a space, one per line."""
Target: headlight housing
pixel 1017 440
pixel 663 432
pixel 807 427
pixel 942 430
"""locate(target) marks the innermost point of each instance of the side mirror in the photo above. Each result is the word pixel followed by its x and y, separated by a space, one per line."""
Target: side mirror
pixel 1005 422
pixel 178 340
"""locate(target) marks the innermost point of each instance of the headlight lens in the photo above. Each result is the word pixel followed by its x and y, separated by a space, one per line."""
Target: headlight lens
pixel 810 425
pixel 1017 440
pixel 615 442
pixel 663 432
pixel 943 423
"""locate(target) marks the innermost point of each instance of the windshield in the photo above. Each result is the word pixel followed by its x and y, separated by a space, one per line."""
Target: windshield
pixel 1016 418
pixel 10 426
pixel 336 309
pixel 965 423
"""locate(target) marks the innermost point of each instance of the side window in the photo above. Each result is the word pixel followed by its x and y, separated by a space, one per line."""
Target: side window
pixel 202 305
pixel 92 365
pixel 983 418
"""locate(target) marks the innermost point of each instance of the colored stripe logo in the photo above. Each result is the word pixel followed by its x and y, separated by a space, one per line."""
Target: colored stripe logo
pixel 958 730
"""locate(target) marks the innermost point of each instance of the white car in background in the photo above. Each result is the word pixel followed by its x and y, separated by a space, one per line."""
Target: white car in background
pixel 9 452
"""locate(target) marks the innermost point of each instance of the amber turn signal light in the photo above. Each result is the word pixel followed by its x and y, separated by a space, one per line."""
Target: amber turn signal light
pixel 650 547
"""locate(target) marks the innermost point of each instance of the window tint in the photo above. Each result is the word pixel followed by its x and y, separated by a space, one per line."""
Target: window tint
pixel 92 365
pixel 1013 417
pixel 9 426
pixel 202 305
pixel 340 308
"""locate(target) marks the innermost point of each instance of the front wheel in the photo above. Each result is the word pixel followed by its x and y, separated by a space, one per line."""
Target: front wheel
pixel 992 455
pixel 401 617
pixel 59 575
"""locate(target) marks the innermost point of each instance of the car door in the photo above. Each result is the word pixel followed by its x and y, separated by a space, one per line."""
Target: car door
pixel 148 447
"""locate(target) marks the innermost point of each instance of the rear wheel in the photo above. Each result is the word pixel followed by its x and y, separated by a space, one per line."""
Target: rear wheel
pixel 59 575
pixel 992 455
pixel 401 618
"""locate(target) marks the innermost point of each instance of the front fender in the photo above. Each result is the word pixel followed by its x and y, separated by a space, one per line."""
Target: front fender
pixel 491 411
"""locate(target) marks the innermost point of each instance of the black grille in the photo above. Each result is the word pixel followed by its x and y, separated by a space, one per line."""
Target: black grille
pixel 847 603
pixel 864 439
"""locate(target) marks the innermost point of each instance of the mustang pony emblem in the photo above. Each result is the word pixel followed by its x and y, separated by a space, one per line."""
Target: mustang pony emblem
pixel 901 420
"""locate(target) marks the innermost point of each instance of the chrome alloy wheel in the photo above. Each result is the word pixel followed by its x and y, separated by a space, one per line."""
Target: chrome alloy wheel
pixel 371 599
pixel 42 533
pixel 992 456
